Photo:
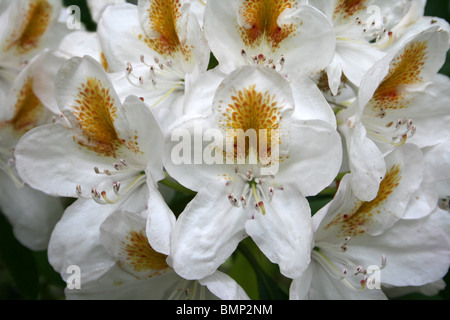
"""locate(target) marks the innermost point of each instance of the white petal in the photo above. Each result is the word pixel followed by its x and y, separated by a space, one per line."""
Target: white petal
pixel 366 161
pixel 207 233
pixel 301 286
pixel 315 156
pixel 310 103
pixel 123 234
pixel 161 222
pixel 325 287
pixel 417 251
pixel 117 284
pixel 76 238
pixel 37 151
pixel 437 159
pixel 356 59
pixel 224 287
pixel 432 125
pixel 348 216
pixel 31 213
pixel 284 233
pixel 119 41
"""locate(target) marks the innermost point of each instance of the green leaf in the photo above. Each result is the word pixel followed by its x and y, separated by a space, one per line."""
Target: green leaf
pixel 19 261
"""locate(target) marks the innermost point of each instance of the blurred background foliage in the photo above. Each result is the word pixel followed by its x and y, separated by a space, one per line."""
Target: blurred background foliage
pixel 27 275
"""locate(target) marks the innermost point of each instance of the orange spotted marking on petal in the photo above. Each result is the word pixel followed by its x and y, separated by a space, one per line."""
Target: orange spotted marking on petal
pixel 164 16
pixel 354 223
pixel 347 8
pixel 29 110
pixel 36 22
pixel 260 18
pixel 404 70
pixel 141 256
pixel 96 111
pixel 252 110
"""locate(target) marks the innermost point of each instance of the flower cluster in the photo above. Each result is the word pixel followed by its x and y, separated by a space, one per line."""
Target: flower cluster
pixel 250 108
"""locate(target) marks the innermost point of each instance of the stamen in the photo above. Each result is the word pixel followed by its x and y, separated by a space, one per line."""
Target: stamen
pixel 259 203
pixel 78 190
pixel 137 182
pixel 233 200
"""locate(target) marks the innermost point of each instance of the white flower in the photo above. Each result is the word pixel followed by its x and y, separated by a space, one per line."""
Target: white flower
pixel 360 27
pixel 28 27
pixel 116 260
pixel 105 150
pixel 284 35
pixel 247 191
pixel 155 49
pixel 31 213
pixel 352 237
pixel 401 99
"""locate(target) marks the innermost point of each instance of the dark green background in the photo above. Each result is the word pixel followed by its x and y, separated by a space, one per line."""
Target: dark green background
pixel 28 275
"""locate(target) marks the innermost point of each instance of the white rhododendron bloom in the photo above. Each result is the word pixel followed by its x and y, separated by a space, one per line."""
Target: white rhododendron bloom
pixel 283 35
pixel 155 49
pixel 28 27
pixel 137 271
pixel 359 27
pixel 101 157
pixel 31 213
pixel 353 238
pixel 397 102
pixel 250 188
pixel 224 149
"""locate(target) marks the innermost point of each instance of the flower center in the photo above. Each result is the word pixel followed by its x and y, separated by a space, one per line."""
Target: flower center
pixel 166 77
pixel 134 176
pixel 256 115
pixel 253 190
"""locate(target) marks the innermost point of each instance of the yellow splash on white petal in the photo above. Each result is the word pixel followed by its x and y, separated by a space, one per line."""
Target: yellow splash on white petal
pixel 355 223
pixel 252 109
pixel 405 70
pixel 163 18
pixel 259 22
pixel 140 256
pixel 346 9
pixel 95 112
pixel 35 23
pixel 29 110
